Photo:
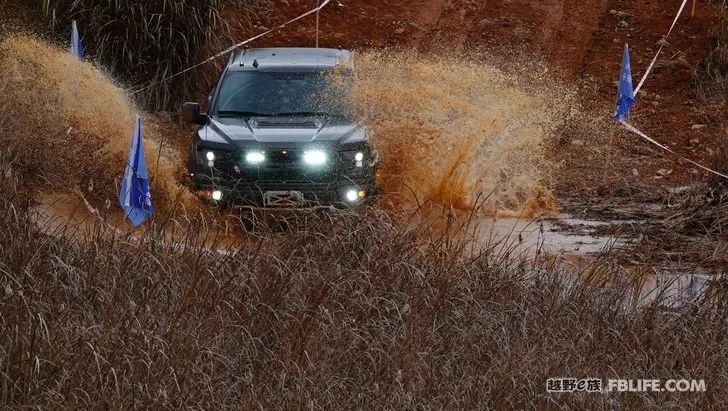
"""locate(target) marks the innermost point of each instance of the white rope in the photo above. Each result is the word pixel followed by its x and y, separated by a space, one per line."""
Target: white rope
pixel 669 150
pixel 238 45
pixel 654 60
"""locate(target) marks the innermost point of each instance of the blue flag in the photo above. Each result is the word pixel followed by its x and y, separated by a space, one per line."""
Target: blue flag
pixel 625 90
pixel 76 47
pixel 135 197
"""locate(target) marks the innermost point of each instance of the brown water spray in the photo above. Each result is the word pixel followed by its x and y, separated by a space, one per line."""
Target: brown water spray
pixel 454 130
pixel 78 123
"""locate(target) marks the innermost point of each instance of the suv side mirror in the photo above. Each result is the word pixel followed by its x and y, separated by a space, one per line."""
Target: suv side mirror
pixel 191 113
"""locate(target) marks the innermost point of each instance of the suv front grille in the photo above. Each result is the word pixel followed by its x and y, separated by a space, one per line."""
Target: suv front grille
pixel 286 166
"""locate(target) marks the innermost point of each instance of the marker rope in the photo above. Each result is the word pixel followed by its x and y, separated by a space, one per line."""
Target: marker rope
pixel 662 45
pixel 669 150
pixel 235 46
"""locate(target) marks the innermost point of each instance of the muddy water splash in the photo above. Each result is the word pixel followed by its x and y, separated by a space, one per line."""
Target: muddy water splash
pixel 459 132
pixel 72 125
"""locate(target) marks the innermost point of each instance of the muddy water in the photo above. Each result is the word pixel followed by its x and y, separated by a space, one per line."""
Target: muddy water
pixel 677 289
pixel 70 215
pixel 67 211
pixel 576 243
pixel 572 241
pixel 560 235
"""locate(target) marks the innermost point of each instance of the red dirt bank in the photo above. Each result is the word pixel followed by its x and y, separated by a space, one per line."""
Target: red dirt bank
pixel 581 40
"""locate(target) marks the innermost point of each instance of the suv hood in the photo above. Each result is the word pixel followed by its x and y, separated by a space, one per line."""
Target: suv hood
pixel 239 132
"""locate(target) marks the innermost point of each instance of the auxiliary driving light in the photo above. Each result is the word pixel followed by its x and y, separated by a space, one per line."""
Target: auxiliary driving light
pixel 217 195
pixel 210 156
pixel 255 157
pixel 352 196
pixel 314 158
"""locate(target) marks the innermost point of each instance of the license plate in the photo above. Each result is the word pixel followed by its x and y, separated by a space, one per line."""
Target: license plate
pixel 283 199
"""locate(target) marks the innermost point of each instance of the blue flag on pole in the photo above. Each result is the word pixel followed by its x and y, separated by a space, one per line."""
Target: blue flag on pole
pixel 135 197
pixel 76 47
pixel 626 91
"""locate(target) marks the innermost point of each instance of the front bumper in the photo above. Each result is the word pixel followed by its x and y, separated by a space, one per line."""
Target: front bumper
pixel 287 195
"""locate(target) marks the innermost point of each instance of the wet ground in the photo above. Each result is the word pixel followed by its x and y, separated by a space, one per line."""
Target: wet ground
pixel 561 235
pixel 573 241
pixel 578 243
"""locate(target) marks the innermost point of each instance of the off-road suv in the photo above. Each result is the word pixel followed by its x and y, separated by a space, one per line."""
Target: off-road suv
pixel 279 133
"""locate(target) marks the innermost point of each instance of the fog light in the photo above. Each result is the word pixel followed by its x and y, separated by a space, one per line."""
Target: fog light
pixel 217 195
pixel 352 196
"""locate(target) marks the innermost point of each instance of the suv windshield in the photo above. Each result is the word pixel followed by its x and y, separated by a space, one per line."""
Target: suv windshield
pixel 283 93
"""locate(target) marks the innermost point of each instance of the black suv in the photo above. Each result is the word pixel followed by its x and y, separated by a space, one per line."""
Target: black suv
pixel 279 133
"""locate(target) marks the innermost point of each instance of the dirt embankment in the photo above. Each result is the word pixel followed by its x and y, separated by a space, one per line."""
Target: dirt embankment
pixel 580 40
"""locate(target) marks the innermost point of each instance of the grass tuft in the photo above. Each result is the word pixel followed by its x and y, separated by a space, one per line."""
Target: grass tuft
pixel 142 42
pixel 712 71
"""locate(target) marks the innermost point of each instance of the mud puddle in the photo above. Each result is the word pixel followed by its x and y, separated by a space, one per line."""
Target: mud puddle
pixel 562 235
pixel 577 243
pixel 574 242
pixel 676 289
pixel 68 214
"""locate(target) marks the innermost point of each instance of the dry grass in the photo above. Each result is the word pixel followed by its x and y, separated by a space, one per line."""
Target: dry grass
pixel 342 311
pixel 691 229
pixel 345 311
pixel 704 210
pixel 712 72
pixel 143 42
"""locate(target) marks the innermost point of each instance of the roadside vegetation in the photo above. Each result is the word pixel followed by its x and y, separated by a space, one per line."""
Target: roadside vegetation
pixel 142 42
pixel 72 128
pixel 712 71
pixel 345 311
